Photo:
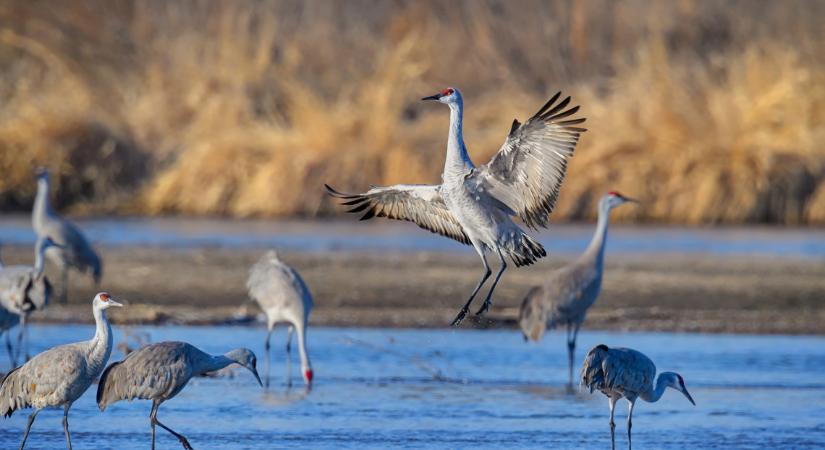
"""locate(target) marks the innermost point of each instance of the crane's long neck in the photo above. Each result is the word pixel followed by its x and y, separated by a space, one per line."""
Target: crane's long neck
pixel 100 347
pixel 39 259
pixel 596 248
pixel 302 347
pixel 458 161
pixel 42 206
pixel 658 391
pixel 215 363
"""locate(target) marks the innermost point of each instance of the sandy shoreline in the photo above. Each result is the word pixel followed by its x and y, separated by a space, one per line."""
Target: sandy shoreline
pixel 692 293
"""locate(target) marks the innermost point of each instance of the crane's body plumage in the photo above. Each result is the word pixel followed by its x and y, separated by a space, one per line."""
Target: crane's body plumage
pixel 158 372
pixel 285 298
pixel 73 250
pixel 627 373
pixel 59 376
pixel 475 205
pixel 568 292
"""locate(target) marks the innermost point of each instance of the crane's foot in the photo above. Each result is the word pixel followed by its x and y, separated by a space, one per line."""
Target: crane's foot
pixel 461 315
pixel 185 443
pixel 484 307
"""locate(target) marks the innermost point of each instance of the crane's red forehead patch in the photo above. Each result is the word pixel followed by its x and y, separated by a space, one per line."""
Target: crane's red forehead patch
pixel 448 91
pixel 104 296
pixel 615 194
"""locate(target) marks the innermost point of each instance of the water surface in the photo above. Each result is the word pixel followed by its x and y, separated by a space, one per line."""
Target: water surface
pixel 455 389
pixel 392 235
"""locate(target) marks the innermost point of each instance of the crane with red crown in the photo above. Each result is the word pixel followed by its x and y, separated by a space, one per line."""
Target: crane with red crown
pixel 476 205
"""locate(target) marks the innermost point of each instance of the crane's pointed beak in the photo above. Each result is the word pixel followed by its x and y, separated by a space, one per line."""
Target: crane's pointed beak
pixel 257 377
pixel 432 97
pixel 631 200
pixel 687 394
pixel 114 303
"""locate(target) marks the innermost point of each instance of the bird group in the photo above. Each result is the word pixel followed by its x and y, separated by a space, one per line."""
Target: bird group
pixel 472 205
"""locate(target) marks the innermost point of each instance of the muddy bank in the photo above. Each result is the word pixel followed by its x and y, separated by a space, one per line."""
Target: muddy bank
pixel 699 293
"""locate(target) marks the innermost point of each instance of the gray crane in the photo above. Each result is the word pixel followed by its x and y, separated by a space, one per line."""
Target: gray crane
pixel 567 294
pixel 475 205
pixel 23 290
pixel 75 250
pixel 624 372
pixel 59 376
pixel 159 372
pixel 285 298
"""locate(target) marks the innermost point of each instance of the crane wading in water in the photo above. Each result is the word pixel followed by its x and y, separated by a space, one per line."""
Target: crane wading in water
pixel 284 297
pixel 159 372
pixel 624 372
pixel 59 376
pixel 567 294
pixel 23 290
pixel 74 249
pixel 475 205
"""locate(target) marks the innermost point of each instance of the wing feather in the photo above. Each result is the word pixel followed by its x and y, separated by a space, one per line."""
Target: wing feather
pixel 527 172
pixel 417 203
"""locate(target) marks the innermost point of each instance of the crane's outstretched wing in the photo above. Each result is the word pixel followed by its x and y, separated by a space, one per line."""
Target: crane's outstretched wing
pixel 528 170
pixel 420 204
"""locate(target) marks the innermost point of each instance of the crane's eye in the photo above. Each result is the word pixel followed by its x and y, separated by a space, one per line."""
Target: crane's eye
pixel 448 91
pixel 104 297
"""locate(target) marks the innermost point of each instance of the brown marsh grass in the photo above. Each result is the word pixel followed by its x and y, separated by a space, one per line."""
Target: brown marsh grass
pixel 710 112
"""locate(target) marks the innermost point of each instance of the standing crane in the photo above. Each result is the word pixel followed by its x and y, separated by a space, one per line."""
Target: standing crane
pixel 23 290
pixel 75 250
pixel 159 372
pixel 475 205
pixel 59 376
pixel 624 372
pixel 285 298
pixel 567 294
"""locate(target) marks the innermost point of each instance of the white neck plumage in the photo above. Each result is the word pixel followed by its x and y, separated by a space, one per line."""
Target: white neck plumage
pixel 458 161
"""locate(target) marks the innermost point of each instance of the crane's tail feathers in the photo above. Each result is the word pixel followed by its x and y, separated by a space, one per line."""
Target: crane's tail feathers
pixel 14 393
pixel 106 391
pixel 526 251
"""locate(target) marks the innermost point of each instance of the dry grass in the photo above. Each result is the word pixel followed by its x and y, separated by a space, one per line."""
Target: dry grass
pixel 708 111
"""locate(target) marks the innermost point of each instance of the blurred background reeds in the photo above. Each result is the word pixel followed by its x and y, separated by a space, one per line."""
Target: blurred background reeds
pixel 709 112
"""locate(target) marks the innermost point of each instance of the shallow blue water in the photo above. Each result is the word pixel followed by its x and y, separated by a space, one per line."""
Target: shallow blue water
pixel 455 389
pixel 391 235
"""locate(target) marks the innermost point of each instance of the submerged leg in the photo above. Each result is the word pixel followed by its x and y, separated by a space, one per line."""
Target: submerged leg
pixel 571 349
pixel 466 308
pixel 28 427
pixel 24 355
pixel 612 424
pixel 155 420
pixel 66 425
pixel 152 422
pixel 489 300
pixel 266 350
pixel 289 332
pixel 630 422
pixel 64 286
pixel 10 350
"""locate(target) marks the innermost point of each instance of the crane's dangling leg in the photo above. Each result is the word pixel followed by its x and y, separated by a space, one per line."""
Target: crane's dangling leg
pixel 152 423
pixel 630 422
pixel 289 332
pixel 612 423
pixel 66 425
pixel 32 416
pixel 487 272
pixel 489 300
pixel 154 419
pixel 266 350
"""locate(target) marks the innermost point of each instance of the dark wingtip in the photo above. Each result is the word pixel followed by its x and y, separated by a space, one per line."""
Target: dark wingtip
pixel 516 124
